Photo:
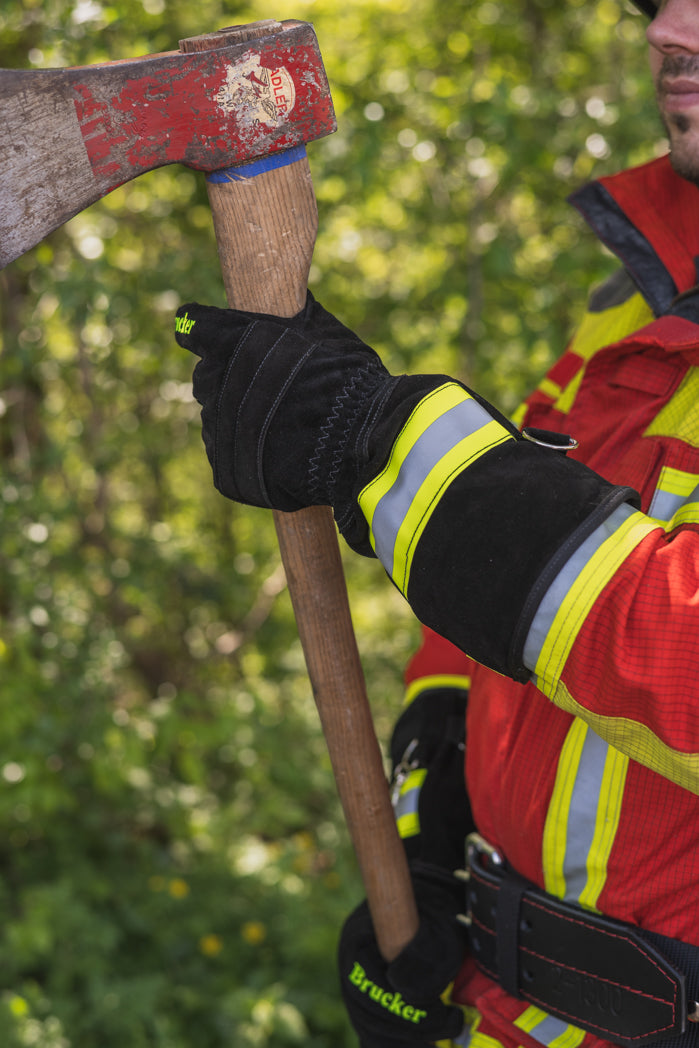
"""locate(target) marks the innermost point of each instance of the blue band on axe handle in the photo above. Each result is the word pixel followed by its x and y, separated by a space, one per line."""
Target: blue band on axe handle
pixel 258 167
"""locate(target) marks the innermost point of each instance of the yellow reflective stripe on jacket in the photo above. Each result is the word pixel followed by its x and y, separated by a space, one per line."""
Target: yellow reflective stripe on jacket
pixel 676 499
pixel 596 331
pixel 583 816
pixel 435 680
pixel 608 814
pixel 446 432
pixel 632 736
pixel 575 589
pixel 556 825
pixel 405 808
pixel 680 416
pixel 675 502
pixel 599 330
pixel 676 493
pixel 472 1036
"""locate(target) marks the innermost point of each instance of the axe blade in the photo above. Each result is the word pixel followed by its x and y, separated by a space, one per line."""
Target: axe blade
pixel 73 135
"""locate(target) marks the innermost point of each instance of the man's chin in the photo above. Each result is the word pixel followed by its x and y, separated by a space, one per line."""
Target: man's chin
pixel 683 134
pixel 684 157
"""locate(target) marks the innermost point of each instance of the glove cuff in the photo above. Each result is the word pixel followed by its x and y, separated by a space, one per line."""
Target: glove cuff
pixel 372 448
pixel 338 450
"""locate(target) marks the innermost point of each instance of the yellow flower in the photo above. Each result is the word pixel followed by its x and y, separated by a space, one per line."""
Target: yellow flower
pixel 18 1006
pixel 254 932
pixel 211 945
pixel 178 888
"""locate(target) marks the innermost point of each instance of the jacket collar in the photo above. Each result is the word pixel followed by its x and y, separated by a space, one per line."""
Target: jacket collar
pixel 649 217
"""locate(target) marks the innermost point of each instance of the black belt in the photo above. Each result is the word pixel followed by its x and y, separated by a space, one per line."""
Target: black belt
pixel 619 982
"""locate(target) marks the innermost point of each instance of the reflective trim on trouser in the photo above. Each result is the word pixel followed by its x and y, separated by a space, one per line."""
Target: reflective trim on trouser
pixel 548 1030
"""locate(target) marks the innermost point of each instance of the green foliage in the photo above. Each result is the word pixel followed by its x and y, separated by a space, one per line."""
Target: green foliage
pixel 174 864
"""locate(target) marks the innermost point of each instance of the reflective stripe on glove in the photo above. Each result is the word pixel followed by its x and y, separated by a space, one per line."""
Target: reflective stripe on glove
pixel 399 1004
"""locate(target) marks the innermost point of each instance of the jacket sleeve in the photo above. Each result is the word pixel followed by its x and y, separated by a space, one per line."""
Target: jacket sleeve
pixel 473 522
pixel 614 640
pixel 537 567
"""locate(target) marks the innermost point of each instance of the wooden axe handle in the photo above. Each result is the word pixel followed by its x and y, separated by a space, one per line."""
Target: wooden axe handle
pixel 265 229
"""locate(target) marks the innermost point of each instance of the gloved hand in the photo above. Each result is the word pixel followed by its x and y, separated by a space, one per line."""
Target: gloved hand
pixel 428 790
pixel 398 1004
pixel 301 412
pixel 292 408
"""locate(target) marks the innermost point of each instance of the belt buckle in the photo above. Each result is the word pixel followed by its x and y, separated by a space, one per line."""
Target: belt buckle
pixel 477 849
pixel 480 853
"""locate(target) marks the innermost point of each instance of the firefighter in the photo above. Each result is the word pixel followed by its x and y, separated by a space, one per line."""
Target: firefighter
pixel 555 565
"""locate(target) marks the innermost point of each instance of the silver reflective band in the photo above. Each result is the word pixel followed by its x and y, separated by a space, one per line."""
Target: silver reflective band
pixel 549 1028
pixel 558 589
pixel 444 434
pixel 407 803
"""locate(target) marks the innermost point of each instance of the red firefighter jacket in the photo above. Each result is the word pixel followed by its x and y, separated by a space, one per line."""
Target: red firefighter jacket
pixel 587 778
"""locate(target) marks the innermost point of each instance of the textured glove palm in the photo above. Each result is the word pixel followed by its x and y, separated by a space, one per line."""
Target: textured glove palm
pixel 286 403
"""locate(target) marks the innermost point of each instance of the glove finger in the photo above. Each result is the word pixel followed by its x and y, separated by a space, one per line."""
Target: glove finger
pixel 213 335
pixel 209 331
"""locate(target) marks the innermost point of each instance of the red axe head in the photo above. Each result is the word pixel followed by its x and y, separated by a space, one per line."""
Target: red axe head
pixel 73 135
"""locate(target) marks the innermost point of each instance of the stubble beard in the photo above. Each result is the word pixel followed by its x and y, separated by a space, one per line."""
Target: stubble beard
pixel 684 145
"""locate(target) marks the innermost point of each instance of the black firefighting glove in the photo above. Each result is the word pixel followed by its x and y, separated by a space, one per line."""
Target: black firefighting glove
pixel 288 405
pixel 292 409
pixel 399 1004
pixel 428 790
pixel 301 412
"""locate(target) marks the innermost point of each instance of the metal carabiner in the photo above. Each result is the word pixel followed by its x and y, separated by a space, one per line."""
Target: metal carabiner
pixel 403 769
pixel 477 846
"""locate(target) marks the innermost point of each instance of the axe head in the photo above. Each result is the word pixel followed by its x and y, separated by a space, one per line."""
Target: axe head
pixel 73 135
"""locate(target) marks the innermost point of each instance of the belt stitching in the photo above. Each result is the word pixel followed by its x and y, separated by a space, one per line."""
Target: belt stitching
pixel 599 1026
pixel 612 935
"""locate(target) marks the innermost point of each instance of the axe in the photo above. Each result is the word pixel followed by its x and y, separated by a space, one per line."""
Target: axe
pixel 238 104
